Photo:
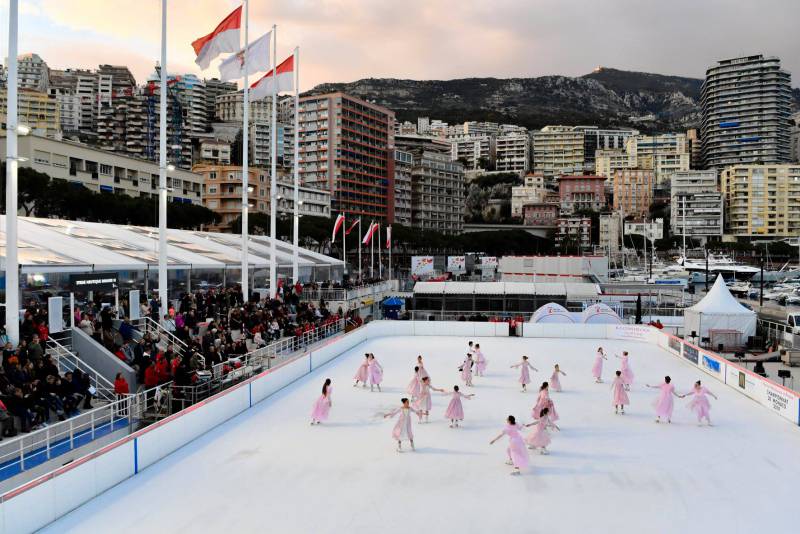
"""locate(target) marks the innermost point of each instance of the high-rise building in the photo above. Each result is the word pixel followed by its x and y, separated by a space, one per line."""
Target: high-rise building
pixel 695 149
pixel 695 199
pixel 574 234
pixel 512 152
pixel 230 108
pixel 582 192
pixel 746 103
pixel 423 125
pixel 123 82
pixel 215 152
pixel 32 73
pixel 191 92
pixel 261 144
pixel 633 191
pixel 437 193
pixel 64 89
pixel 795 137
pixel 215 88
pixel 596 138
pixel 761 200
pixel 347 148
pixel 608 161
pixel 473 151
pixel 403 165
pixel 39 111
pixel 474 128
pixel 664 154
pixel 558 150
pixel 124 127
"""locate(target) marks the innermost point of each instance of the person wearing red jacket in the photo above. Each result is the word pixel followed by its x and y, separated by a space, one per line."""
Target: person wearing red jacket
pixel 121 385
pixel 162 369
pixel 150 376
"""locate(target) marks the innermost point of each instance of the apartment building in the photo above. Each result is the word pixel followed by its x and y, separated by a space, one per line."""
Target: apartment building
pixel 579 193
pixel 596 138
pixel 540 214
pixel 512 152
pixel 609 160
pixel 261 144
pixel 558 150
pixel 230 108
pixel 473 151
pixel 697 204
pixel 665 154
pixel 574 234
pixel 38 110
pixel 214 88
pixel 633 191
pixel 32 73
pixel 761 200
pixel 403 167
pixel 532 191
pixel 215 152
pixel 610 235
pixel 438 193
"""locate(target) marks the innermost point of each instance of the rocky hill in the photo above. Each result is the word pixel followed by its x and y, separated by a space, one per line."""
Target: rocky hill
pixel 606 97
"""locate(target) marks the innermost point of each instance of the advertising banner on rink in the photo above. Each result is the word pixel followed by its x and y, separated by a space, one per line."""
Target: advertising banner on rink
pixel 421 265
pixel 629 331
pixel 457 264
pixel 780 400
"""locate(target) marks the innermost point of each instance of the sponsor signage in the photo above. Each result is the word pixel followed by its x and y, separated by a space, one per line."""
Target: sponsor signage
pixel 489 261
pixel 421 265
pixel 457 264
pixel 711 365
pixel 777 399
pixel 690 353
pixel 93 281
pixel 675 345
pixel 632 332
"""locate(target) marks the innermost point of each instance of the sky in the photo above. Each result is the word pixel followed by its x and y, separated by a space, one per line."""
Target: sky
pixel 346 40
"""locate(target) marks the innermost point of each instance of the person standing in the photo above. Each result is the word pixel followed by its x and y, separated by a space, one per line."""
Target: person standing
pixel 480 361
pixel 423 402
pixel 466 370
pixel 402 429
pixel 664 403
pixel 375 373
pixel 555 381
pixel 361 373
pixel 597 368
pixel 625 367
pixel 516 451
pixel 619 396
pixel 415 384
pixel 524 373
pixel 699 403
pixel 323 405
pixel 540 438
pixel 455 411
pixel 544 401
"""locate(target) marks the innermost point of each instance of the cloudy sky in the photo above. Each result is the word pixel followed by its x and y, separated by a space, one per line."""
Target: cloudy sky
pixel 344 40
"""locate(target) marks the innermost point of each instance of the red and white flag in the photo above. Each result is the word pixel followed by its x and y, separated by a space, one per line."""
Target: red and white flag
pixel 337 225
pixel 234 66
pixel 355 223
pixel 373 227
pixel 388 237
pixel 262 88
pixel 224 38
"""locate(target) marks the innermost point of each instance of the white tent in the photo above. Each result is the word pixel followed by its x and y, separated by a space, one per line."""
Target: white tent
pixel 600 313
pixel 552 313
pixel 719 311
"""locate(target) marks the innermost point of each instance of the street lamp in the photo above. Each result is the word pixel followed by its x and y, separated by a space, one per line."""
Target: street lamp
pixel 170 167
pixel 21 129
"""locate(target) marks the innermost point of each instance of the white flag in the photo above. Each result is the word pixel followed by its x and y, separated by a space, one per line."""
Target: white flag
pixel 283 76
pixel 233 67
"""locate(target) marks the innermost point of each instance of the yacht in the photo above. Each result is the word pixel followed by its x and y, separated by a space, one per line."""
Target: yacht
pixel 718 264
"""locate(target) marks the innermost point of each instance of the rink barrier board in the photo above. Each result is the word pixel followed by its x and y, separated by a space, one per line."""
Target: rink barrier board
pixel 49 497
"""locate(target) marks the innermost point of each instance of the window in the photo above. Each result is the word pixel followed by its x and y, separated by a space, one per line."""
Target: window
pixel 212 204
pixel 105 169
pixel 212 175
pixel 212 190
pixel 40 157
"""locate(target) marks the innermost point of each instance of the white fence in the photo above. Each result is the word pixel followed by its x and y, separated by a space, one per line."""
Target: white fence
pixel 47 498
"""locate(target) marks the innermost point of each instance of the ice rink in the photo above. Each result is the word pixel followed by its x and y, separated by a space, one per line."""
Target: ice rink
pixel 268 470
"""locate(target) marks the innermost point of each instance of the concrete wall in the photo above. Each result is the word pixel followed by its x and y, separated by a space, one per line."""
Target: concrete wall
pixel 100 359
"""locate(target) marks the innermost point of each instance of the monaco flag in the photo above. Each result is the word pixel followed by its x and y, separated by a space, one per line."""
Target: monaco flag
pixel 234 66
pixel 284 78
pixel 370 231
pixel 355 223
pixel 224 38
pixel 337 225
pixel 388 237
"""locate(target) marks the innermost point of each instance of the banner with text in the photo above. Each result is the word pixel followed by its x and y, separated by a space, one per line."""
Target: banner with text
pixel 421 265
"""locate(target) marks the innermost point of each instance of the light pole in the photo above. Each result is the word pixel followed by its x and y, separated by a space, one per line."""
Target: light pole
pixel 12 164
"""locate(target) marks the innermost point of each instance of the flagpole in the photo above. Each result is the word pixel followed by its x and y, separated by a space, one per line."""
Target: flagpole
pixel 389 241
pixel 245 157
pixel 12 163
pixel 163 294
pixel 371 252
pixel 344 246
pixel 273 182
pixel 359 250
pixel 296 232
pixel 380 261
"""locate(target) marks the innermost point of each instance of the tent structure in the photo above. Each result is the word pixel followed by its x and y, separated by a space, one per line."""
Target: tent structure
pixel 600 314
pixel 552 313
pixel 719 313
pixel 392 306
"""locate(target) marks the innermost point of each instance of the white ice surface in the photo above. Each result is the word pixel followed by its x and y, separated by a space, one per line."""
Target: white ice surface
pixel 267 470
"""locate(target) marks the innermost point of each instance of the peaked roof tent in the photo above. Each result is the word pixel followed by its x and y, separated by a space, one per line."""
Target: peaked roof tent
pixel 53 245
pixel 719 300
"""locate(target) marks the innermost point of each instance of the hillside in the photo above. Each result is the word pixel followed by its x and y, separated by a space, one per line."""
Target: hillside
pixel 606 97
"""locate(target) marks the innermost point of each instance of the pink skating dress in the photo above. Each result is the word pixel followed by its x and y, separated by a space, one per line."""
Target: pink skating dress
pixel 618 394
pixel 402 429
pixel 517 452
pixel 625 367
pixel 540 437
pixel 322 407
pixel 480 362
pixel 664 403
pixel 455 411
pixel 555 381
pixel 466 370
pixel 543 402
pixel 700 404
pixel 524 374
pixel 413 386
pixel 375 372
pixel 423 373
pixel 361 374
pixel 423 401
pixel 597 368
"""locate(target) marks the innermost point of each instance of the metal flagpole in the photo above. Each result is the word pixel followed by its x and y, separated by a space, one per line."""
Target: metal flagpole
pixel 359 250
pixel 245 157
pixel 273 181
pixel 296 232
pixel 380 262
pixel 371 251
pixel 389 242
pixel 12 163
pixel 162 172
pixel 344 246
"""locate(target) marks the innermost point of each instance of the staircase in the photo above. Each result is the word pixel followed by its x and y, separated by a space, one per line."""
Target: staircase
pixel 59 347
pixel 164 338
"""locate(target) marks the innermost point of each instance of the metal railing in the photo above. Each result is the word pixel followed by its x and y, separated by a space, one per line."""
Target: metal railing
pixel 342 294
pixel 236 369
pixel 59 348
pixel 159 334
pixel 627 313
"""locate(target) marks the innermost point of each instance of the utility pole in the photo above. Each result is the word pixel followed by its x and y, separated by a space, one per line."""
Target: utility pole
pixel 761 282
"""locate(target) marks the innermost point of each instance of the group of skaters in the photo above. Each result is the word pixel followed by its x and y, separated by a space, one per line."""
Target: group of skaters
pixel 544 414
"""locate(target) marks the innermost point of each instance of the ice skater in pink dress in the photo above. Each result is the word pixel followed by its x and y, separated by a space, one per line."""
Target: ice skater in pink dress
pixel 664 403
pixel 517 453
pixel 544 401
pixel 375 372
pixel 540 437
pixel 625 367
pixel 455 411
pixel 361 374
pixel 480 361
pixel 323 405
pixel 555 380
pixel 597 368
pixel 524 373
pixel 470 347
pixel 422 371
pixel 619 397
pixel 466 370
pixel 423 402
pixel 402 429
pixel 414 385
pixel 699 403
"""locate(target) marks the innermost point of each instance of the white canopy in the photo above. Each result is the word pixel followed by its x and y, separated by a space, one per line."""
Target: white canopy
pixel 719 310
pixel 552 313
pixel 600 313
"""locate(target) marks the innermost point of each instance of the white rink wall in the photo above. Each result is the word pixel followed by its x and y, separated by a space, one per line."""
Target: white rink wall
pixel 40 502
